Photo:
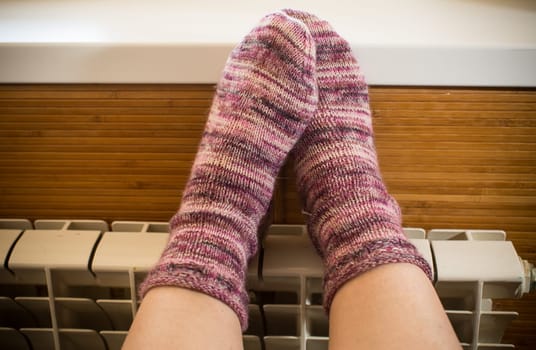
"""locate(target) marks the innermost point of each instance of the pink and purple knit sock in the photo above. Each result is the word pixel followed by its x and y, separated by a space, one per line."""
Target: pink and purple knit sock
pixel 354 223
pixel 264 100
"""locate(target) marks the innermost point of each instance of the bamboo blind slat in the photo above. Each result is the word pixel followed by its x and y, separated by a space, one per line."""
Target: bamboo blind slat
pixel 453 158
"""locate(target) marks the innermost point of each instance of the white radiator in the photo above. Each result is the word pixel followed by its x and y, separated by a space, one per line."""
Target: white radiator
pixel 71 284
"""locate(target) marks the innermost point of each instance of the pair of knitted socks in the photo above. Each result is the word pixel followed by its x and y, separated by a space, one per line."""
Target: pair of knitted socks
pixel 292 84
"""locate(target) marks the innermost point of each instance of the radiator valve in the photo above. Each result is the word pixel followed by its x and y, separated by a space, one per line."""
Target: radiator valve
pixel 529 281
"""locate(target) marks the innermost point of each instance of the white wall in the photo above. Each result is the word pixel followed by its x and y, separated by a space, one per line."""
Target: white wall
pixel 432 42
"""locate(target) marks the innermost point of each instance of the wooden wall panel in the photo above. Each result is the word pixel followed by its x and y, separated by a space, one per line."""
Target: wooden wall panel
pixel 453 157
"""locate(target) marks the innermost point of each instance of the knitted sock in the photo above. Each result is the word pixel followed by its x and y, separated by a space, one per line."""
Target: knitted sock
pixel 354 223
pixel 264 100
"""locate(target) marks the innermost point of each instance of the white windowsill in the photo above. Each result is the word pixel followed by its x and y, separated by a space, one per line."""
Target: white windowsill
pixel 411 42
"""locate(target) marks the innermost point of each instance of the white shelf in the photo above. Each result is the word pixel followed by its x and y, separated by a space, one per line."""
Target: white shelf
pixel 413 42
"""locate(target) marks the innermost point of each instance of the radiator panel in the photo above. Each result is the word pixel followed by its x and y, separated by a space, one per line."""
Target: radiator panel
pixel 87 300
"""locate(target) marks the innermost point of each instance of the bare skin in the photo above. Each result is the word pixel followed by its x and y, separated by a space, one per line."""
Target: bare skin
pixel 177 318
pixel 393 306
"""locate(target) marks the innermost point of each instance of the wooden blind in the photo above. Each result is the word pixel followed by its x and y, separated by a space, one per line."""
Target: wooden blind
pixel 453 157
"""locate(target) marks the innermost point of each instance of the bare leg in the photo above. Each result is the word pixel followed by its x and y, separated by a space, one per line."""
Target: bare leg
pixel 177 318
pixel 393 306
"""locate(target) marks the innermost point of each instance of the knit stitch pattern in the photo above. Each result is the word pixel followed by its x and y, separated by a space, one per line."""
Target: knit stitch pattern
pixel 263 102
pixel 354 223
